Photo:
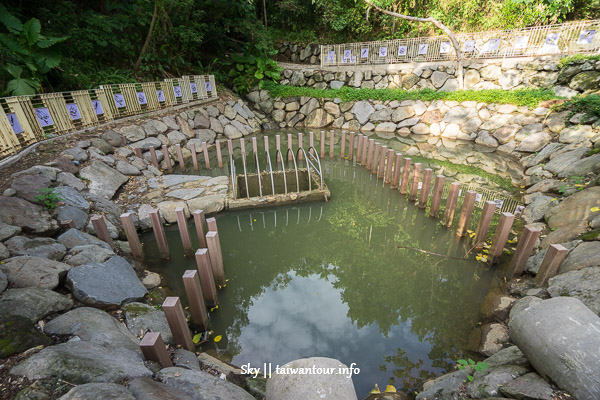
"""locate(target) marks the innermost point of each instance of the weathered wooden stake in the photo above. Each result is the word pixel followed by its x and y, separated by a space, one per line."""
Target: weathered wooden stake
pixel 207 280
pixel 405 175
pixel 194 156
pixel 438 188
pixel 180 156
pixel 219 155
pixel 465 213
pixel 138 152
pixel 132 236
pixel 230 147
pixel 176 319
pixel 167 158
pixel 254 148
pixel 359 148
pixel 300 145
pixel 211 223
pixel 216 257
pixel 206 157
pixel 199 222
pixel 343 146
pixel 159 233
pixel 389 166
pixel 99 225
pixel 322 145
pixel 195 298
pixel 367 148
pixel 416 177
pixel 278 146
pixel 487 213
pixel 289 143
pixel 154 158
pixel 381 168
pixel 501 235
pixel 183 231
pixel 425 187
pixel 311 139
pixel 154 349
pixel 524 249
pixel 397 168
pixel 552 260
pixel 331 144
pixel 451 202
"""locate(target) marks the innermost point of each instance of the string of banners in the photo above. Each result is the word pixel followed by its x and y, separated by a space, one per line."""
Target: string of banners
pixel 469 47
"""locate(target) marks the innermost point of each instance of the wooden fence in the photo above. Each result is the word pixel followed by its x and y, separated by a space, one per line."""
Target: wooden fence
pixel 28 119
pixel 568 38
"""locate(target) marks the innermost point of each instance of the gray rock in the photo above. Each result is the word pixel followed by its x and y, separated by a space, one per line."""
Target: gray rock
pixel 210 204
pixel 485 139
pixel 582 167
pixel 508 356
pixel 145 144
pixel 438 79
pixel 208 361
pixel 539 206
pixel 75 153
pixel 337 84
pixel 506 133
pixel 585 80
pixel 185 194
pixel 170 122
pixel 534 142
pixel 556 121
pixel 98 391
pixel 212 388
pixel 4 252
pixel 18 334
pixel 308 107
pixel 94 326
pixel 556 335
pixel 231 132
pixel 176 137
pixel 78 216
pixel 29 271
pixel 102 145
pixel 575 208
pixel 8 231
pixel 451 85
pixel 87 254
pixel 205 135
pixel 186 359
pixel 534 262
pixel 299 386
pixel 38 246
pixel 528 386
pixel 72 197
pixel 127 169
pixel 496 121
pixel 68 179
pixel 3 281
pixel 583 256
pixel 82 362
pixel 402 113
pixel 445 387
pixel 28 186
pixel 583 284
pixel 488 383
pixel 362 110
pixel 493 337
pixel 48 172
pixel 576 134
pixel 104 180
pixel 107 284
pixel 318 118
pixel 460 115
pixel 148 389
pixel 133 133
pixel 73 238
pixel 142 318
pixel 565 233
pixel 33 303
pixel 563 91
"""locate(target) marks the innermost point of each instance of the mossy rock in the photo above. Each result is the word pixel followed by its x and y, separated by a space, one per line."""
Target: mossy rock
pixel 18 334
pixel 591 236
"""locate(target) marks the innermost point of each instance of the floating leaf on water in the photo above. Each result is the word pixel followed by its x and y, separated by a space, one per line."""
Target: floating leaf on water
pixel 197 337
pixel 376 390
pixel 218 338
pixel 390 389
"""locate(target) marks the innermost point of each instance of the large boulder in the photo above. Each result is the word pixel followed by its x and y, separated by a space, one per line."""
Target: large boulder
pixel 92 391
pixel 37 246
pixel 586 80
pixel 560 338
pixel 73 238
pixel 103 180
pixel 362 110
pixel 28 187
pixel 202 385
pixel 29 217
pixel 318 118
pixel 31 271
pixel 583 284
pixel 210 204
pixel 141 317
pixel 575 208
pixel 105 285
pixel 148 389
pixel 584 255
pixel 133 133
pixel 8 231
pixel 87 254
pixel 81 362
pixel 298 386
pixel 18 334
pixel 33 303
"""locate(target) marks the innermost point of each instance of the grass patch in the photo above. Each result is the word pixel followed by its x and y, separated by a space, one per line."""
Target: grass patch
pixel 522 97
pixel 588 105
pixel 576 59
pixel 504 183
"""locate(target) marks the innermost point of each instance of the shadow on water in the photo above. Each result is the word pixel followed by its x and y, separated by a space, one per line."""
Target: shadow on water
pixel 328 279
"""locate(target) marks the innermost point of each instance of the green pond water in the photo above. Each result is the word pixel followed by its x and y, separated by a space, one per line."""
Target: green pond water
pixel 328 279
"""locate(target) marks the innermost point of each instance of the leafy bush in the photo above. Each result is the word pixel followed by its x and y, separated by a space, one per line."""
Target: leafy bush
pixel 522 97
pixel 588 105
pixel 48 197
pixel 575 59
pixel 253 67
pixel 469 364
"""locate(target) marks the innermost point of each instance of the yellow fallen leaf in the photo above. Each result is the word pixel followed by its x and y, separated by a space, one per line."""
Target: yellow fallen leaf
pixel 595 209
pixel 196 338
pixel 376 390
pixel 218 338
pixel 485 251
pixel 390 389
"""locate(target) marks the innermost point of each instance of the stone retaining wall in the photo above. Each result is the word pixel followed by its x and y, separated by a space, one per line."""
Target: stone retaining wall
pixel 298 52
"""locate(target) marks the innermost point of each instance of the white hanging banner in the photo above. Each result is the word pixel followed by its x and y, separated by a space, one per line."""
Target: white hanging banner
pixel 445 47
pixel 177 91
pixel 469 46
pixel 423 47
pixel 491 45
pixel 353 59
pixel 43 116
pixel 402 50
pixel 142 98
pixel 521 42
pixel 383 52
pixel 14 122
pixel 208 86
pixel 364 52
pixel 586 37
pixel 97 105
pixel 161 96
pixel 498 203
pixel 347 54
pixel 119 100
pixel 193 87
pixel 331 57
pixel 551 43
pixel 73 111
pixel 478 197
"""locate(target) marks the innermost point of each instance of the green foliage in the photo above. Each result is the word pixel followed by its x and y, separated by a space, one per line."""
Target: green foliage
pixel 27 54
pixel 522 97
pixel 253 67
pixel 577 59
pixel 48 197
pixel 469 364
pixel 586 104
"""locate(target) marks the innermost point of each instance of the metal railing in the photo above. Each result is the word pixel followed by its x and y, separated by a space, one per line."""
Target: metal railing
pixel 25 120
pixel 567 38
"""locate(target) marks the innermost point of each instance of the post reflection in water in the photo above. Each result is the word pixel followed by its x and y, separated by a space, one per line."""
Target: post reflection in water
pixel 332 282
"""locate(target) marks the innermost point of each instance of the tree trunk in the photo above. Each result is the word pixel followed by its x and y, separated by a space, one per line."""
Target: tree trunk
pixel 148 36
pixel 447 31
pixel 265 12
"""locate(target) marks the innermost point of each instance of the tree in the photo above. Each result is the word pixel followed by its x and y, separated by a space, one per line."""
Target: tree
pixel 149 35
pixel 437 23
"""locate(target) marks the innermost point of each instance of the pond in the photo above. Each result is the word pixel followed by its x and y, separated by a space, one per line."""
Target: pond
pixel 342 279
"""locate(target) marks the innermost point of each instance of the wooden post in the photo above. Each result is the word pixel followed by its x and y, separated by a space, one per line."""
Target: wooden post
pixel 465 213
pixel 343 145
pixel 375 165
pixel 180 156
pixel 300 146
pixel 132 236
pixel 211 223
pixel 195 298
pixel 331 144
pixel 524 249
pixel 367 148
pixel 99 225
pixel 278 146
pixel 425 188
pixel 183 230
pixel 552 260
pixel 484 223
pixel 267 154
pixel 219 155
pixel 216 257
pixel 154 158
pixel 138 152
pixel 381 168
pixel 154 349
pixel 405 175
pixel 389 166
pixel 311 139
pixel 199 222
pixel 230 147
pixel 159 233
pixel 176 319
pixel 167 158
pixel 207 280
pixel 438 188
pixel 451 202
pixel 254 148
pixel 322 145
pixel 397 167
pixel 194 156
pixel 351 147
pixel 416 177
pixel 501 235
pixel 289 137
pixel 206 157
pixel 359 148
pixel 243 148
